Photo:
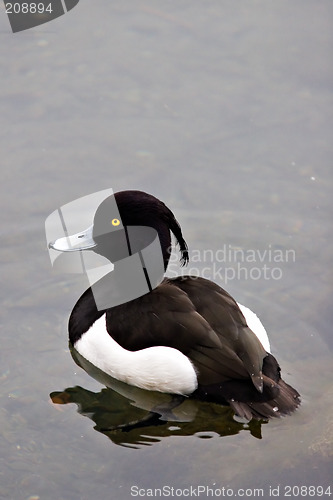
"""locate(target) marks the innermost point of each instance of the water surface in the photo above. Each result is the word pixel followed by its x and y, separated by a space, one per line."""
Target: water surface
pixel 223 113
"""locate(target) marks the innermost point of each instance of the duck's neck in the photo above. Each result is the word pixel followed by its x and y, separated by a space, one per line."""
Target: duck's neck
pixel 130 279
pixel 162 245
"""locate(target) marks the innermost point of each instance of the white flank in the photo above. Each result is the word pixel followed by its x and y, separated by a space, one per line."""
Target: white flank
pixel 157 368
pixel 256 326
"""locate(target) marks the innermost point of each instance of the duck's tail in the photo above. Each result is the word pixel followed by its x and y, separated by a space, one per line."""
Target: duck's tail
pixel 275 400
pixel 285 401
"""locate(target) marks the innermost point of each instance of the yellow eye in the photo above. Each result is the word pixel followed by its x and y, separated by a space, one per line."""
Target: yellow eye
pixel 115 222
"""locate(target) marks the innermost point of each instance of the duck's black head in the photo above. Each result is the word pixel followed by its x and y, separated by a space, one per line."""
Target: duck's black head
pixel 126 223
pixel 135 208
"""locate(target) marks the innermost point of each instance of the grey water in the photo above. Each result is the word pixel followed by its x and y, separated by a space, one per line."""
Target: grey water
pixel 223 111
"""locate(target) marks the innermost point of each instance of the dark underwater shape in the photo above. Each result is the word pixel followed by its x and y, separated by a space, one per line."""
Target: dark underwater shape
pixel 127 425
pixel 135 418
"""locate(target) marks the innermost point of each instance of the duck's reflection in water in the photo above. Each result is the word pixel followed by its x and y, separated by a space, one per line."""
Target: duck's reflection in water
pixel 134 417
